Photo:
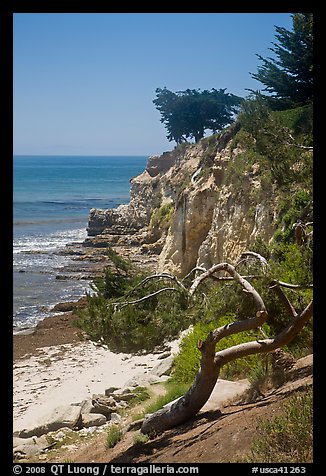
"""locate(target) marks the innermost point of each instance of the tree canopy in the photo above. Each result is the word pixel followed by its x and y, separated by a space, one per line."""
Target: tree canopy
pixel 289 76
pixel 187 114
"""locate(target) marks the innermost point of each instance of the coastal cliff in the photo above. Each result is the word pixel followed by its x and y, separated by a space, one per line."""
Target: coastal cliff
pixel 199 204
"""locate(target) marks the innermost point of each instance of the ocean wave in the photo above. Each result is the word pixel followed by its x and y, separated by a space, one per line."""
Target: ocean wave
pixel 40 221
pixel 47 242
pixel 26 314
pixel 107 198
pixel 84 200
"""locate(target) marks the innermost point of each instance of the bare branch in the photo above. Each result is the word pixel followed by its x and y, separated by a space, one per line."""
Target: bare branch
pixel 240 326
pixel 252 254
pixel 121 305
pixel 156 276
pixel 230 278
pixel 196 397
pixel 274 282
pixel 285 300
pixel 211 361
pixel 197 268
pixel 231 270
pixel 292 143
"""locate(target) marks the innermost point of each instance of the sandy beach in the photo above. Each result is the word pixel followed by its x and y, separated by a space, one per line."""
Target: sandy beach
pixel 66 373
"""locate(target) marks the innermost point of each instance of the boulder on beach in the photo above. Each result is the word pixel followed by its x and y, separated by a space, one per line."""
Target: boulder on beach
pixel 92 419
pixel 62 416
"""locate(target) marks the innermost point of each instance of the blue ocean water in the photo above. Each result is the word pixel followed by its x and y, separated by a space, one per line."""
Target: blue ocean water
pixel 52 197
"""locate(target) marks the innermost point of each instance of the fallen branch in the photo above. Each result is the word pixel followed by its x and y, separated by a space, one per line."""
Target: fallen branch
pixel 231 270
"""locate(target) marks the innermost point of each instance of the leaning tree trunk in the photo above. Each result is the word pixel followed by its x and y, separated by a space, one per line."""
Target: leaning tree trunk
pixel 211 362
pixel 196 397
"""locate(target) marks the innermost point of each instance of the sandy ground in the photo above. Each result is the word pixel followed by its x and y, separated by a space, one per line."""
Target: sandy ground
pixel 54 365
pixel 69 373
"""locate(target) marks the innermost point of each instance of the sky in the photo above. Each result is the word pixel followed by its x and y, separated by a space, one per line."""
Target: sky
pixel 84 83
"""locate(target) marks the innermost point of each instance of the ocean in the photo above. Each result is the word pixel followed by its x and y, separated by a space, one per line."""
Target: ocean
pixel 52 197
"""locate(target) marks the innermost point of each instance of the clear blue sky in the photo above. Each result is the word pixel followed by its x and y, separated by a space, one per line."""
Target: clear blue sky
pixel 84 82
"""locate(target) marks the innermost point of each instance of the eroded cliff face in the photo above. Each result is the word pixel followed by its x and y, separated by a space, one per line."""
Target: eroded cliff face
pixel 216 218
pixel 218 212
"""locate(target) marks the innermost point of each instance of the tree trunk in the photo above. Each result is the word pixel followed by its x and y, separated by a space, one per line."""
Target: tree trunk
pixel 196 397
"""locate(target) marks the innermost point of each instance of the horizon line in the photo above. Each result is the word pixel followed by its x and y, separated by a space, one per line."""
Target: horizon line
pixel 81 155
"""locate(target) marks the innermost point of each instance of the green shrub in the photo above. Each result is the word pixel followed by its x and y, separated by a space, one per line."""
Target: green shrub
pixel 272 133
pixel 287 438
pixel 161 216
pixel 114 435
pixel 141 394
pixel 292 208
pixel 244 139
pixel 114 282
pixel 138 326
pixel 299 121
pixel 140 439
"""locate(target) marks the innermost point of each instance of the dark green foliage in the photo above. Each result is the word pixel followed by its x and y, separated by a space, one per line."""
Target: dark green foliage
pixel 136 326
pixel 261 247
pixel 292 209
pixel 300 121
pixel 289 76
pixel 120 263
pixel 279 139
pixel 114 282
pixel 187 114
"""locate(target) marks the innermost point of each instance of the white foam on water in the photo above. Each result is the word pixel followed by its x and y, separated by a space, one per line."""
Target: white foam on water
pixel 48 242
pixel 36 263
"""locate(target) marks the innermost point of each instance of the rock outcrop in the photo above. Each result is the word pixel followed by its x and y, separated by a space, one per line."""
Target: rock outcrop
pixel 219 207
pixel 148 192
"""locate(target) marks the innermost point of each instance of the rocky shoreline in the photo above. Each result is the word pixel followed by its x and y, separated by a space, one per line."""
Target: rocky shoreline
pixel 88 260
